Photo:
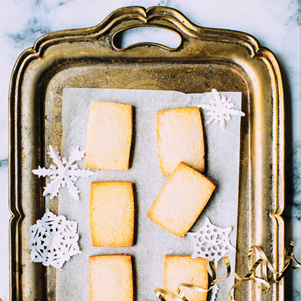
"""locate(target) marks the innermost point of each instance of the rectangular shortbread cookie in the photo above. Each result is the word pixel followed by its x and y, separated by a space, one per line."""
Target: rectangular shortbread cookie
pixel 109 136
pixel 180 139
pixel 110 278
pixel 181 200
pixel 184 269
pixel 112 214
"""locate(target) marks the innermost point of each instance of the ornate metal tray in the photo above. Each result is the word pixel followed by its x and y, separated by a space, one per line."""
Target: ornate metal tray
pixel 206 58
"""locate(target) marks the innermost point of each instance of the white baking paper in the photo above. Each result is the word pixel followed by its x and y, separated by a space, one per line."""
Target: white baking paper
pixel 152 242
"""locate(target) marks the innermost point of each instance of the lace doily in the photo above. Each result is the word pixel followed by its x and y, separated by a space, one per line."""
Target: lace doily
pixel 64 173
pixel 211 241
pixel 53 240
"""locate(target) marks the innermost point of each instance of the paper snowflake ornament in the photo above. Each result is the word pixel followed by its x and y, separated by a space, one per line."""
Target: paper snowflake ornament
pixel 53 240
pixel 211 241
pixel 64 173
pixel 220 109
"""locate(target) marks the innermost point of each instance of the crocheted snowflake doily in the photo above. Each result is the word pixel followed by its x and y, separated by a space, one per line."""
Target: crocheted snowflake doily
pixel 220 109
pixel 211 241
pixel 64 173
pixel 53 240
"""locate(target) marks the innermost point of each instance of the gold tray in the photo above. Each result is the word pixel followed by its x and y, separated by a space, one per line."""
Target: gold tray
pixel 206 58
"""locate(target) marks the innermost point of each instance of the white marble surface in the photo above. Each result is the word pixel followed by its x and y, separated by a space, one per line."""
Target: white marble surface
pixel 275 23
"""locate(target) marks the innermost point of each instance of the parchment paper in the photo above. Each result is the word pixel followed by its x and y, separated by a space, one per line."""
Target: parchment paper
pixel 151 241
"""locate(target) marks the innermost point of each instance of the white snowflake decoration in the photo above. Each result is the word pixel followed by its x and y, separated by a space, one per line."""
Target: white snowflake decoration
pixel 53 240
pixel 211 241
pixel 220 109
pixel 64 173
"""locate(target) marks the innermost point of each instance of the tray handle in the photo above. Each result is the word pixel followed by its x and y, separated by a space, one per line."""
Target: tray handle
pixel 135 17
pixel 156 36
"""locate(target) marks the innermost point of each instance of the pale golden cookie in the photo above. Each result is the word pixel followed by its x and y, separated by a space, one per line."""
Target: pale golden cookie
pixel 112 214
pixel 180 139
pixel 181 200
pixel 109 136
pixel 184 269
pixel 110 278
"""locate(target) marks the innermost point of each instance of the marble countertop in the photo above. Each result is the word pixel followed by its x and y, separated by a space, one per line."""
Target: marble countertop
pixel 275 24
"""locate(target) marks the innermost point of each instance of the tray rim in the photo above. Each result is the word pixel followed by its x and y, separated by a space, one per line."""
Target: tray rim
pixel 132 16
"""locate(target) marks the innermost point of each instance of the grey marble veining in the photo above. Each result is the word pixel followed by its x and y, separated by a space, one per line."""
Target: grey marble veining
pixel 276 25
pixel 3 163
pixel 294 9
pixel 33 29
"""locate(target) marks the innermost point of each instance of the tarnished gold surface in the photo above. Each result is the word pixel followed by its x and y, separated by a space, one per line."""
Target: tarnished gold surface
pixel 207 58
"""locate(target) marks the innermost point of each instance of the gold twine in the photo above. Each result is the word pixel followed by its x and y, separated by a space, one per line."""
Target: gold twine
pixel 160 293
pixel 263 283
